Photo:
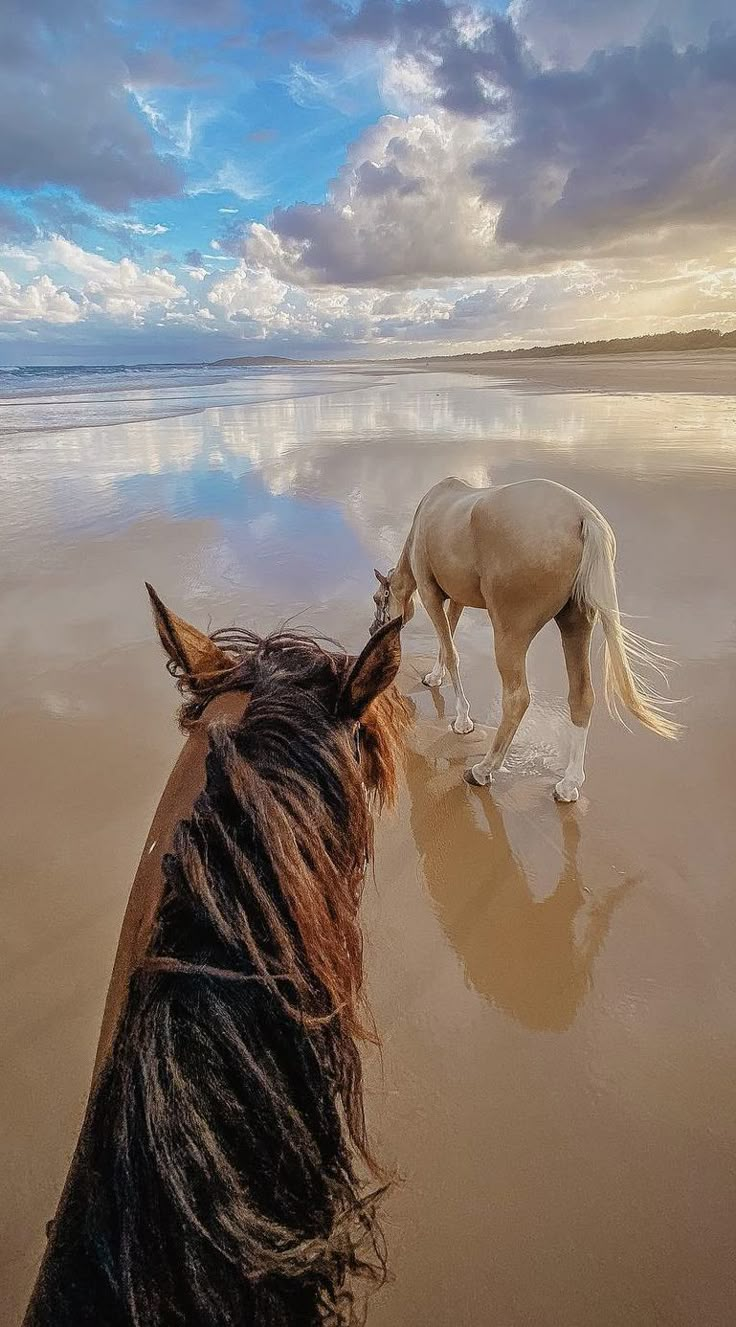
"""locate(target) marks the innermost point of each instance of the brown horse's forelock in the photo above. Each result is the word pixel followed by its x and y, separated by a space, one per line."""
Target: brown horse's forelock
pixel 302 661
pixel 221 1173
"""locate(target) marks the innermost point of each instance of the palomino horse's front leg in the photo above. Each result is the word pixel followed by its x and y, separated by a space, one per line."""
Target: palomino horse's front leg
pixel 511 660
pixel 433 600
pixel 437 675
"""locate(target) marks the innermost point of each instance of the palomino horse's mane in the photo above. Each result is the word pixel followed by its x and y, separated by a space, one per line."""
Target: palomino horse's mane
pixel 220 1177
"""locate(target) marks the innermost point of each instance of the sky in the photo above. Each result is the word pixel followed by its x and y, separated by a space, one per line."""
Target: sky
pixel 182 180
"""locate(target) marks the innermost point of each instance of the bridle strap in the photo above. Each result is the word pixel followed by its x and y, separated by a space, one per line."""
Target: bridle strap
pixel 383 610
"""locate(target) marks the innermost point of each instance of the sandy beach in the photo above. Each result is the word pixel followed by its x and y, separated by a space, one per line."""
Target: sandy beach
pixel 707 372
pixel 555 987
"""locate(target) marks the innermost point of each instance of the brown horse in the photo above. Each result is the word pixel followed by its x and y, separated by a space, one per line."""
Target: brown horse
pixel 221 1174
pixel 526 553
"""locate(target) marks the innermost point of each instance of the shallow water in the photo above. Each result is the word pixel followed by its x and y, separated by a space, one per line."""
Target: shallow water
pixel 77 396
pixel 555 986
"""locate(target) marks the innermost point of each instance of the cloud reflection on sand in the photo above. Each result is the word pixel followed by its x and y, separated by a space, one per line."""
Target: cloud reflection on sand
pixel 303 495
pixel 291 440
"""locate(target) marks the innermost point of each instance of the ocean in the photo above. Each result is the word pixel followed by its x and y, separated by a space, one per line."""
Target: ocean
pixel 56 397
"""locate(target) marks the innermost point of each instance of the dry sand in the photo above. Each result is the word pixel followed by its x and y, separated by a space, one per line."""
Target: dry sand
pixel 711 372
pixel 555 987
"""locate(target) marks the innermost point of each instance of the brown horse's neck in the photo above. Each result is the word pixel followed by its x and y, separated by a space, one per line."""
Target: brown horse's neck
pixel 218 1178
pixel 185 783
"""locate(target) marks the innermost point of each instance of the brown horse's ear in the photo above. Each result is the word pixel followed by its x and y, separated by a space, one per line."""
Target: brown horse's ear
pixel 382 580
pixel 373 671
pixel 189 649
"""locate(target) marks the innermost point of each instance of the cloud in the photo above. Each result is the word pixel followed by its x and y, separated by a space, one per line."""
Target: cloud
pixel 120 290
pixel 213 14
pixel 250 294
pixel 581 302
pixel 158 68
pixel 66 116
pixel 404 208
pixel 141 228
pixel 388 22
pixel 251 306
pixel 517 162
pixel 254 303
pixel 230 178
pixel 567 32
pixel 639 138
pixel 62 214
pixel 40 301
pixel 309 89
pixel 181 132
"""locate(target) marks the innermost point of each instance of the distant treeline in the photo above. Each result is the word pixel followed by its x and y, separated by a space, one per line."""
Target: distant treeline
pixel 707 338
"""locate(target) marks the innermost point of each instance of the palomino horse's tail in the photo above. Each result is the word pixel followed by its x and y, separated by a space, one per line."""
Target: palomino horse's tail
pixel 594 590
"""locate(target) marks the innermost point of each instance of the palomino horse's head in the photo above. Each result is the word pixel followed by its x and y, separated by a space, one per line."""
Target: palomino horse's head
pixel 390 602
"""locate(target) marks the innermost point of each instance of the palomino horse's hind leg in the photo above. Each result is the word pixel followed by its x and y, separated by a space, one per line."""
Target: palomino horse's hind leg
pixel 576 630
pixel 511 651
pixel 437 675
pixel 433 600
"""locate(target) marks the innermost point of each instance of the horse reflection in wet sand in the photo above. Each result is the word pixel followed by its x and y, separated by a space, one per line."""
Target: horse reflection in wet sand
pixel 526 553
pixel 223 1173
pixel 532 959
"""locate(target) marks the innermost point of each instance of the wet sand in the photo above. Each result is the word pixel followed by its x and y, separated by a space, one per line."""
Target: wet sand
pixel 555 987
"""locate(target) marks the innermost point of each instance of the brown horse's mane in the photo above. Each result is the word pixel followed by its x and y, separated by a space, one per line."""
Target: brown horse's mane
pixel 321 867
pixel 221 1174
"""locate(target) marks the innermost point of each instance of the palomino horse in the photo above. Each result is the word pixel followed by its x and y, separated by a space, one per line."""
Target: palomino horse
pixel 527 553
pixel 219 1177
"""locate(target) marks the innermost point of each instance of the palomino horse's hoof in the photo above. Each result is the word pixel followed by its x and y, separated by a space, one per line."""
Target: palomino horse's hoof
pixel 464 729
pixel 477 780
pixel 566 792
pixel 429 680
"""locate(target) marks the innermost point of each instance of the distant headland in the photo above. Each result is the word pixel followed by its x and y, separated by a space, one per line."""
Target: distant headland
pixel 252 361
